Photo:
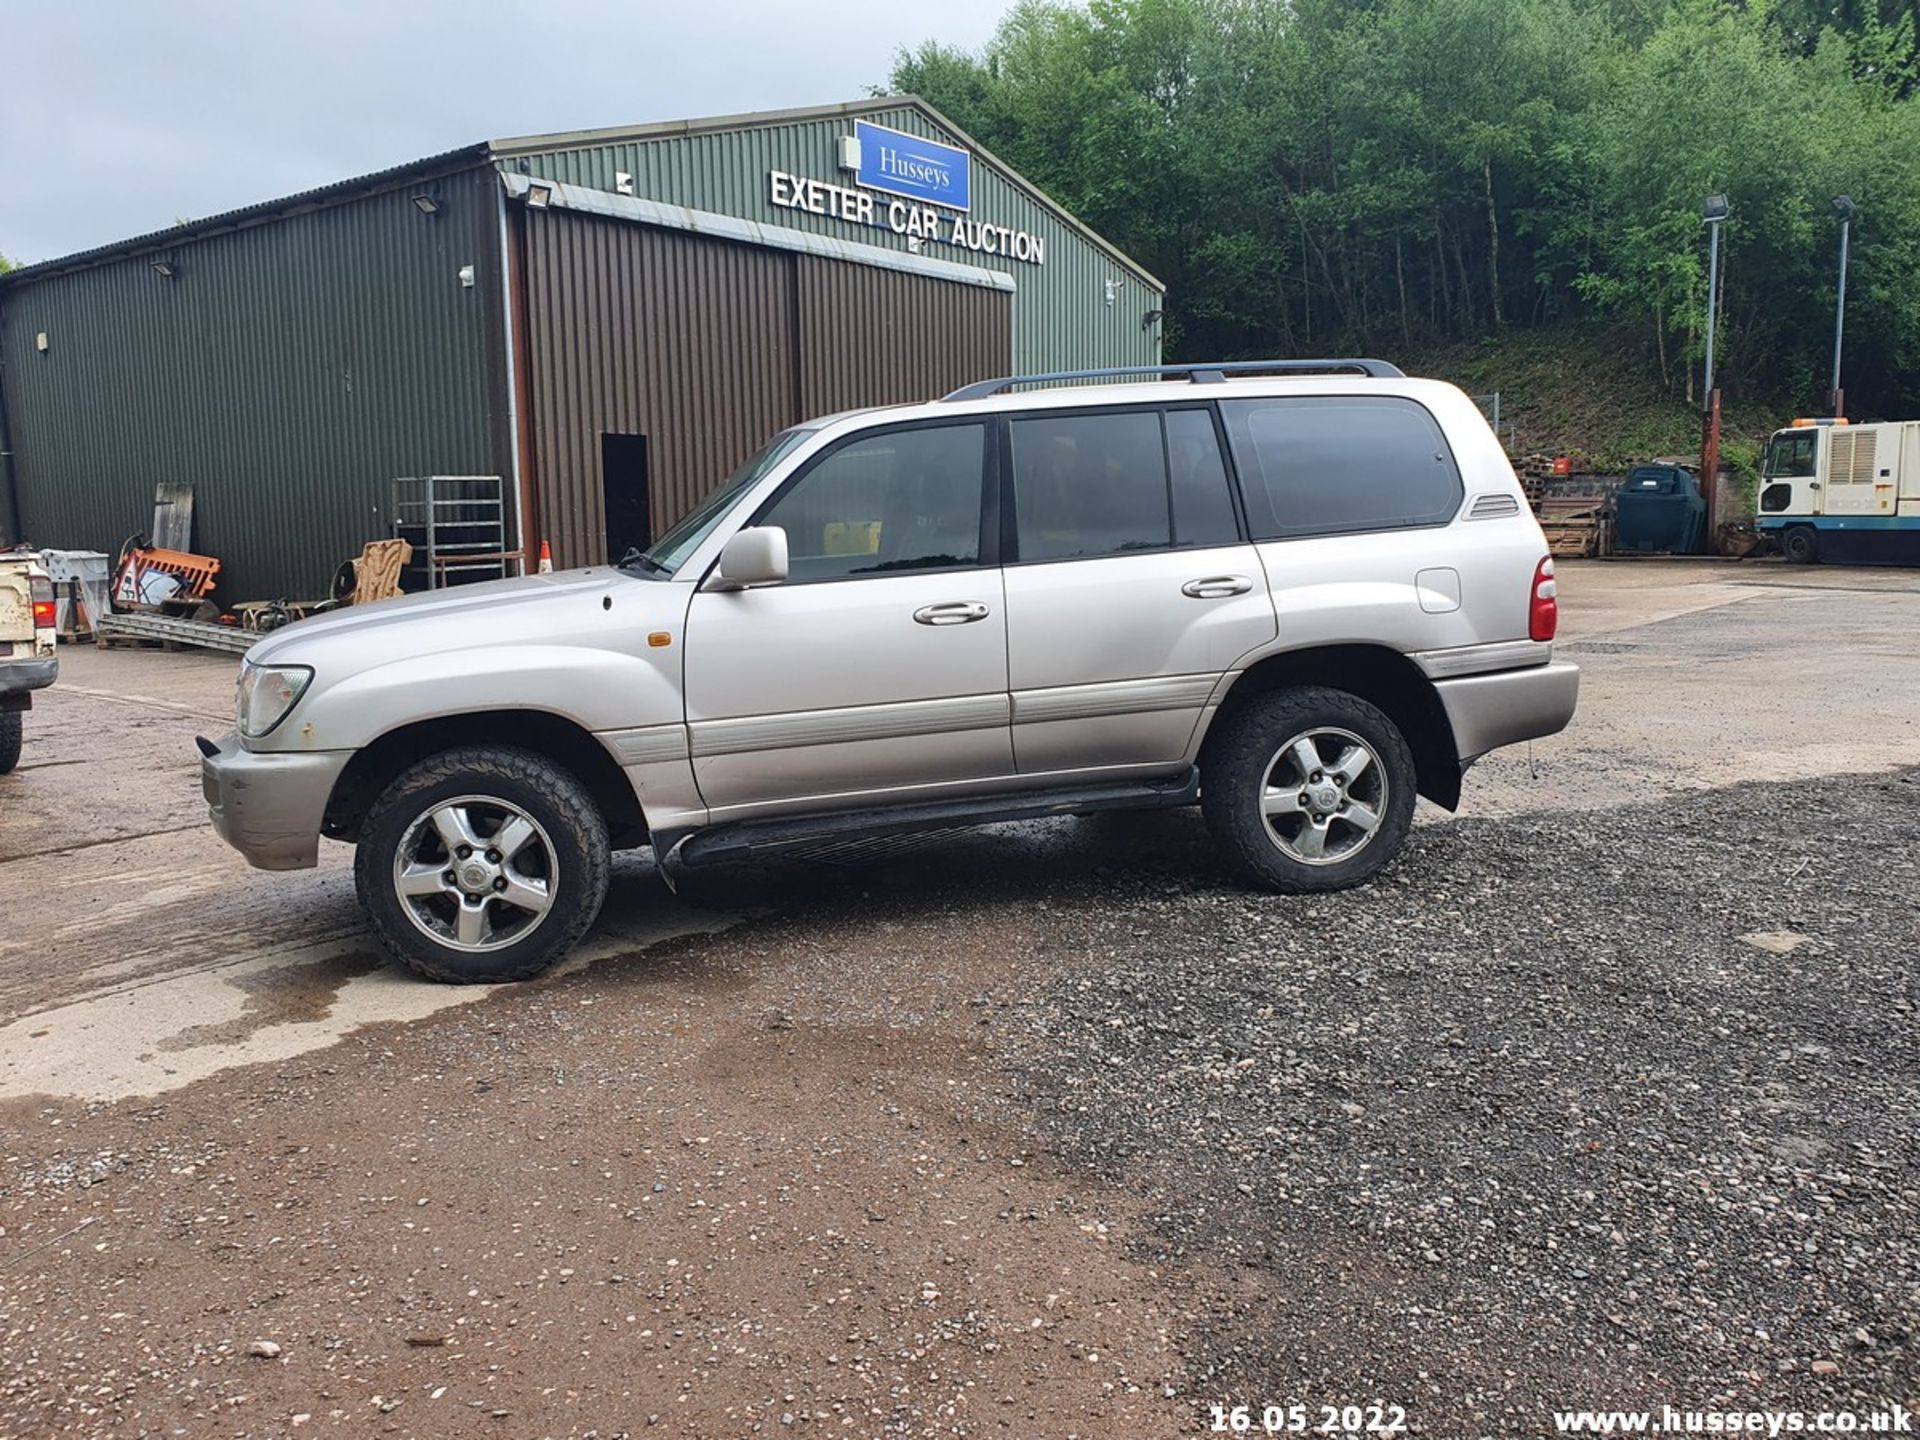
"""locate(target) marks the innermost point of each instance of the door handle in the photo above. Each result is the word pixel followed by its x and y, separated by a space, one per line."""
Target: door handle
pixel 951 612
pixel 1215 587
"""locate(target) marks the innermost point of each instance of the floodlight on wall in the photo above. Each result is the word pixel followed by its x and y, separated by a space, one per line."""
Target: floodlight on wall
pixel 1147 320
pixel 539 196
pixel 164 269
pixel 426 204
pixel 622 183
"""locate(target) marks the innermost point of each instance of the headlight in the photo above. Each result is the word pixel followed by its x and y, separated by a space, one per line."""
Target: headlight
pixel 265 694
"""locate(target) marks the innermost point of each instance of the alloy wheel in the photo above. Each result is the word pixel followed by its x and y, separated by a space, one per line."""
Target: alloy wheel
pixel 475 873
pixel 1324 796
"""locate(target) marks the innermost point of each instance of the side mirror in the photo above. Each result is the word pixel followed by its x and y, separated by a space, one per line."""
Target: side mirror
pixel 754 556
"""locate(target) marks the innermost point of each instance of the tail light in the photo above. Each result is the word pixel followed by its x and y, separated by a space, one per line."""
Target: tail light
pixel 1543 609
pixel 42 602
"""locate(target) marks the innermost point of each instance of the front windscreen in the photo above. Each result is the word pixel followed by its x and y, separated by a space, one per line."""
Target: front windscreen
pixel 667 554
pixel 1792 453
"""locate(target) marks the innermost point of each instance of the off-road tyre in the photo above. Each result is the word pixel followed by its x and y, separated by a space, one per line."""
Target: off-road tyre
pixel 10 728
pixel 1241 754
pixel 549 794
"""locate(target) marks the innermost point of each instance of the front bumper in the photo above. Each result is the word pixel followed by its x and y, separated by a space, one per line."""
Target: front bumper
pixel 1508 706
pixel 18 677
pixel 269 806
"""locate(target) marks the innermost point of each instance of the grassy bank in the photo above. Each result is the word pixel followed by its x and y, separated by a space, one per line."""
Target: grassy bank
pixel 1586 391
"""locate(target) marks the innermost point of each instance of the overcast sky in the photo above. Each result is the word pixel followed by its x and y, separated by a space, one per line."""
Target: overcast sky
pixel 117 117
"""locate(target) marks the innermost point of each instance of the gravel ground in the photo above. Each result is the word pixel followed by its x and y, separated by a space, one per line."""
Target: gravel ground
pixel 1002 1135
pixel 758 1183
pixel 1529 1125
pixel 1046 1131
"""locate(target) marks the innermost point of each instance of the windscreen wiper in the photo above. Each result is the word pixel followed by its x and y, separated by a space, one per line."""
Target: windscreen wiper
pixel 636 556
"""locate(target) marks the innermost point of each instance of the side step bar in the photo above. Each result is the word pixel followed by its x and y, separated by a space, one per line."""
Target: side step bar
pixel 745 838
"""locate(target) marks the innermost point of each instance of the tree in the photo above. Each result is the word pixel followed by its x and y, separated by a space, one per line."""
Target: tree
pixel 1327 175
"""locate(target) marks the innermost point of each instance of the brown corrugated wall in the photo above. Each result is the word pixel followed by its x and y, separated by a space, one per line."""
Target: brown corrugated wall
pixel 707 347
pixel 681 339
pixel 883 337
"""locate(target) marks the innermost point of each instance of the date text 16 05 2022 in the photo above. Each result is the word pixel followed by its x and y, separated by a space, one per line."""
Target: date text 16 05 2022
pixel 1363 1420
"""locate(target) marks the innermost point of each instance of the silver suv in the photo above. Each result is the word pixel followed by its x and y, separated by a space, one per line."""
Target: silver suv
pixel 1297 593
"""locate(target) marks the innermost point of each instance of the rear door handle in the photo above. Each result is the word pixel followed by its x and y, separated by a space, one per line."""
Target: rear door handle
pixel 951 612
pixel 1215 587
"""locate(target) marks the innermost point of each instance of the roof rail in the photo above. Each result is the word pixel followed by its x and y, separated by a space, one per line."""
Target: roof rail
pixel 1206 373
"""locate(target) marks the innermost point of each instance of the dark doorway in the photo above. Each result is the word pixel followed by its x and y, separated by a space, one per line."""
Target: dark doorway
pixel 623 487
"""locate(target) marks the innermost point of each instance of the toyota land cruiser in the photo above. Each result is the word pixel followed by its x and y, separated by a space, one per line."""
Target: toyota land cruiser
pixel 1296 593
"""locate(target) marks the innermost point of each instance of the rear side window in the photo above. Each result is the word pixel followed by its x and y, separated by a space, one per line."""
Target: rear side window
pixel 1088 485
pixel 1333 464
pixel 1118 481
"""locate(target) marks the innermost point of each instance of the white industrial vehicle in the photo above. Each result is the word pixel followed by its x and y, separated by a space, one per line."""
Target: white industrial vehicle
pixel 1835 491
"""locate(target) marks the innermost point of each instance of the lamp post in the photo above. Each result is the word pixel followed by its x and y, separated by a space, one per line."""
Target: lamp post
pixel 1713 210
pixel 1843 204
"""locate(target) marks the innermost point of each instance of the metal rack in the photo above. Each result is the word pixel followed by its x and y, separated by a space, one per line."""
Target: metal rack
pixel 457 525
pixel 165 628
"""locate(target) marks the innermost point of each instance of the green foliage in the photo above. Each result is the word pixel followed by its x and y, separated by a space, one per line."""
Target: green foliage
pixel 1396 175
pixel 1564 391
pixel 6 265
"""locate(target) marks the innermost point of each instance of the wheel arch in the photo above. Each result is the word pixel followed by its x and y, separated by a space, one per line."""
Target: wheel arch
pixel 555 738
pixel 1378 675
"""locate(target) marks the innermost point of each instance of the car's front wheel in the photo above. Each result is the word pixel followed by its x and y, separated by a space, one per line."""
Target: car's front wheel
pixel 482 864
pixel 1308 789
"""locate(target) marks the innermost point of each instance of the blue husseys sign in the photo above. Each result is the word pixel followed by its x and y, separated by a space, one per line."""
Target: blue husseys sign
pixel 903 164
pixel 932 189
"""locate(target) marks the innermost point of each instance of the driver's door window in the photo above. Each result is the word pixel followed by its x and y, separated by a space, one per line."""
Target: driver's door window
pixel 903 501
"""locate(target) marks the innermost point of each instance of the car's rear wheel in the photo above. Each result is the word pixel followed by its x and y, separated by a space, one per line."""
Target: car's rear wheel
pixel 482 864
pixel 1308 789
pixel 9 740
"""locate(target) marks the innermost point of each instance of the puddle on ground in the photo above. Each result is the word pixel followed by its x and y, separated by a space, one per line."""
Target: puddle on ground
pixel 287 995
pixel 159 1033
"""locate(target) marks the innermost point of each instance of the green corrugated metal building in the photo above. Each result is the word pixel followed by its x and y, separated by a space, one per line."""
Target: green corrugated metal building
pixel 606 320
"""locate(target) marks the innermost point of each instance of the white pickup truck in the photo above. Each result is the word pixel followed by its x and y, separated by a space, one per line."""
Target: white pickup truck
pixel 27 660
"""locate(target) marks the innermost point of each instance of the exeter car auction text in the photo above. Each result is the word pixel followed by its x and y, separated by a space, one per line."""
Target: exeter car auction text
pixel 903 217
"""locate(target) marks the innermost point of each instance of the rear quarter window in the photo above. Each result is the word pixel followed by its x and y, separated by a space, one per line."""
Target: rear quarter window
pixel 1336 464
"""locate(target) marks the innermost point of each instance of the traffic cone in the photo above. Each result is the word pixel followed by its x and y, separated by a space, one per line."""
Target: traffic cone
pixel 546 558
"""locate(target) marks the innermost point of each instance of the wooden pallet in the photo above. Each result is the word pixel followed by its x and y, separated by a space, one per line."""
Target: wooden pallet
pixel 1576 536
